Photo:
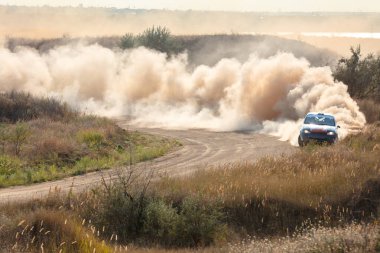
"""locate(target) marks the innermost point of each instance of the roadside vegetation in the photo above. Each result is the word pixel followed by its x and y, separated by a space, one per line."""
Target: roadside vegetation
pixel 43 139
pixel 320 198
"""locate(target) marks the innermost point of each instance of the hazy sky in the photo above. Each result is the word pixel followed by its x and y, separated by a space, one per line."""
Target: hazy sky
pixel 227 5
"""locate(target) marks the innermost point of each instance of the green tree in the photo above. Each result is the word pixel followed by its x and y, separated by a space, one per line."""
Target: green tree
pixel 347 69
pixel 18 136
pixel 128 41
pixel 361 75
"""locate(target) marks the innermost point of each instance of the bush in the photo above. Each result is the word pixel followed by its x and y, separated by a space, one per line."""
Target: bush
pixel 9 165
pixel 128 209
pixel 53 150
pixel 160 222
pixel 128 41
pixel 157 38
pixel 92 139
pixel 20 106
pixel 152 221
pixel 201 223
pixel 18 136
pixel 119 206
pixel 193 223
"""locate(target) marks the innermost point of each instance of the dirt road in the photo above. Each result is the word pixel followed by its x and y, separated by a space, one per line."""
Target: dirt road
pixel 200 148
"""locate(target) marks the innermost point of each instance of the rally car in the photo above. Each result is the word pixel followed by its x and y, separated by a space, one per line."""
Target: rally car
pixel 318 127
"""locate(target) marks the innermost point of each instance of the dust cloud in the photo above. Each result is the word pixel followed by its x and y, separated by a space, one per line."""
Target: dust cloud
pixel 270 95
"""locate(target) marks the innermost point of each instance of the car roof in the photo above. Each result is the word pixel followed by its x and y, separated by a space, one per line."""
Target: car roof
pixel 320 113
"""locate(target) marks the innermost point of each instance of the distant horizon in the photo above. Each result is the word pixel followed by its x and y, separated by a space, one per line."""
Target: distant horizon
pixel 194 10
pixel 258 6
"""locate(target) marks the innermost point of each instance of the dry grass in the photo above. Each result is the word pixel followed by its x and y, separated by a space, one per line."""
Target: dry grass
pixel 57 231
pixel 44 230
pixel 312 177
pixel 351 238
pixel 305 179
pixel 321 199
pixel 158 250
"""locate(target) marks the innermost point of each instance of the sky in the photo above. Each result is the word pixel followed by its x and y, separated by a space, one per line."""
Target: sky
pixel 220 5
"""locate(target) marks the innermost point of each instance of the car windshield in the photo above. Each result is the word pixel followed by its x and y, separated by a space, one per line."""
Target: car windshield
pixel 320 120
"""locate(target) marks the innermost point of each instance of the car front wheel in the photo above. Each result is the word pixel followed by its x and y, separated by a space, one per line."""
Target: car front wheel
pixel 300 142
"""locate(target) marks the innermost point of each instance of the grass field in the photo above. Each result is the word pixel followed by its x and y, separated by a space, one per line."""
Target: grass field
pixel 43 139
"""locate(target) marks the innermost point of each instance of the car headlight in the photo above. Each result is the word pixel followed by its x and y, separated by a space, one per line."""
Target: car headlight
pixel 331 133
pixel 306 131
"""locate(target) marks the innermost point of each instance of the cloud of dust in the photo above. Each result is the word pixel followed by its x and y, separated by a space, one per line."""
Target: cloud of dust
pixel 270 95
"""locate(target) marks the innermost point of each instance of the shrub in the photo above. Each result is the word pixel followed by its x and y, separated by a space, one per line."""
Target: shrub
pixel 9 165
pixel 20 106
pixel 18 136
pixel 130 210
pixel 91 138
pixel 160 222
pixel 54 150
pixel 158 38
pixel 127 41
pixel 121 215
pixel 119 206
pixel 201 223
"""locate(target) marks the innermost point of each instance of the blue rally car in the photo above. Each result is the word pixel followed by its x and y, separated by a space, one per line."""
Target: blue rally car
pixel 318 127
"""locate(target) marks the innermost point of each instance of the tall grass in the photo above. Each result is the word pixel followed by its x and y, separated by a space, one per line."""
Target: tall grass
pixel 43 227
pixel 349 238
pixel 19 106
pixel 307 178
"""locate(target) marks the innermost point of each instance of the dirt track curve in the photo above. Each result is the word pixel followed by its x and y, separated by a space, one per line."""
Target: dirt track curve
pixel 200 148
